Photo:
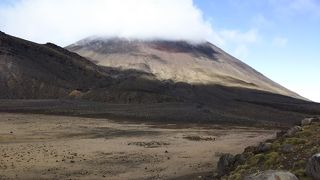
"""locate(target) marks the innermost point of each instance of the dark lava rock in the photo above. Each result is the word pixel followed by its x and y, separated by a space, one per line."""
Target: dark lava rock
pixel 225 164
pixel 264 147
pixel 281 133
pixel 239 160
pixel 313 167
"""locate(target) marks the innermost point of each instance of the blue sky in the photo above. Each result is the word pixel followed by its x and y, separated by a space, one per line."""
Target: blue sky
pixel 279 38
pixel 287 45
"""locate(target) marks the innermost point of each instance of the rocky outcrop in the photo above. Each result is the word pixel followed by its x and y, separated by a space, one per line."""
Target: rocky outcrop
pixel 272 175
pixel 313 167
pixel 289 151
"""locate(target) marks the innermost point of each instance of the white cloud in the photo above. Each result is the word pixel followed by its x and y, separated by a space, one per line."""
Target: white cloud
pixel 239 41
pixel 250 36
pixel 66 21
pixel 280 42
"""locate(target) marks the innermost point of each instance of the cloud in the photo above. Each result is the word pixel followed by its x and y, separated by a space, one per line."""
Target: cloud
pixel 239 41
pixel 66 21
pixel 280 42
pixel 251 36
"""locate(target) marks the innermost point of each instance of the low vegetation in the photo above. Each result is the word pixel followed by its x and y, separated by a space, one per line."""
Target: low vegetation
pixel 285 153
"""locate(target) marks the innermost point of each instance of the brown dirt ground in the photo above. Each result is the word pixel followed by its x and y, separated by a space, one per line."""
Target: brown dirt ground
pixel 60 147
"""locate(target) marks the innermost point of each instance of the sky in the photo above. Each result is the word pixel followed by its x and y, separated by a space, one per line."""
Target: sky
pixel 279 38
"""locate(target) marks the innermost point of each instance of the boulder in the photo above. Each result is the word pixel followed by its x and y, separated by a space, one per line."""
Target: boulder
pixel 287 148
pixel 281 133
pixel 264 147
pixel 272 175
pixel 225 164
pixel 306 121
pixel 313 167
pixel 239 159
pixel 293 131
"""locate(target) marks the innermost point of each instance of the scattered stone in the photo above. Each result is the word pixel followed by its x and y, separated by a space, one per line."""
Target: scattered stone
pixel 287 148
pixel 166 151
pixel 264 147
pixel 11 132
pixel 72 161
pixel 151 144
pixel 313 167
pixel 272 175
pixel 199 138
pixel 225 164
pixel 293 131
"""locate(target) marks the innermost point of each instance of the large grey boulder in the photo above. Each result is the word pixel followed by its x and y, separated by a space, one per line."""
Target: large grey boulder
pixel 292 131
pixel 225 164
pixel 272 175
pixel 306 121
pixel 313 167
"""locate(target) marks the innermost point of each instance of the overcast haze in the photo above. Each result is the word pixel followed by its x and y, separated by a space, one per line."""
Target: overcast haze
pixel 279 38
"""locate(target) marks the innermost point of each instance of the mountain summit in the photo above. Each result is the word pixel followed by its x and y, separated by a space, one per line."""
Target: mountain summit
pixel 178 61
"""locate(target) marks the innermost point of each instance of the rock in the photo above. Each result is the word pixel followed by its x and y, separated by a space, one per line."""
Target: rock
pixel 239 159
pixel 264 147
pixel 272 175
pixel 313 167
pixel 225 164
pixel 293 131
pixel 287 148
pixel 306 121
pixel 281 133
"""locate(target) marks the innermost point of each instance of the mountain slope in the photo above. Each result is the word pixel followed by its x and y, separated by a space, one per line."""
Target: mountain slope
pixel 178 61
pixel 30 70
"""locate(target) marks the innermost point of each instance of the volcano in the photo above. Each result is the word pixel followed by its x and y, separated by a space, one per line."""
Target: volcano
pixel 177 61
pixel 149 80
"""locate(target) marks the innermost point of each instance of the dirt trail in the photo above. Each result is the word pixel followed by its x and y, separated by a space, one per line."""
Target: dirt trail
pixel 60 147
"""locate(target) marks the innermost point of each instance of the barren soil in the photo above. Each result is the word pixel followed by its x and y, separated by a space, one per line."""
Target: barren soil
pixel 60 147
